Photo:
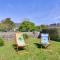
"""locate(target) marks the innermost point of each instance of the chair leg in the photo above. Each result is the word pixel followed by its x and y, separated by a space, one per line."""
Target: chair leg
pixel 17 49
pixel 41 46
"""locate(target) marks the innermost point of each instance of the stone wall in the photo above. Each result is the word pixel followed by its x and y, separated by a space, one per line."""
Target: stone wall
pixel 7 35
pixel 12 36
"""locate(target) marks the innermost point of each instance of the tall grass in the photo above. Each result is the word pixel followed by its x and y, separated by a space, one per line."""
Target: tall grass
pixel 1 41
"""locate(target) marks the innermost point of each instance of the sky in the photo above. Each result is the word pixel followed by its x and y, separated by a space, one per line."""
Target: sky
pixel 38 11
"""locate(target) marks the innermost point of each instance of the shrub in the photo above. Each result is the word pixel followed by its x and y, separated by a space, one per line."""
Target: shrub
pixel 1 41
pixel 54 33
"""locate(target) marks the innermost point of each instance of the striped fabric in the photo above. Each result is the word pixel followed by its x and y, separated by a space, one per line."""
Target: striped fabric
pixel 44 38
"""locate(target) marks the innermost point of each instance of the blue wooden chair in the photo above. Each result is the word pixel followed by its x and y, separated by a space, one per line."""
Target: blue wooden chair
pixel 44 39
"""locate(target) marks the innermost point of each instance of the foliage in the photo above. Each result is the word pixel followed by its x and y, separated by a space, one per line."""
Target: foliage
pixel 25 36
pixel 54 33
pixel 26 26
pixel 7 25
pixel 1 42
pixel 43 27
pixel 38 28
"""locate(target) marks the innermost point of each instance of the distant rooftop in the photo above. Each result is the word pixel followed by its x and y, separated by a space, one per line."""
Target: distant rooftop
pixel 55 25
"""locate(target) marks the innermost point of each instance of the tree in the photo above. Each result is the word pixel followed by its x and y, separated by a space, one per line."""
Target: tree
pixel 7 24
pixel 38 28
pixel 43 27
pixel 2 27
pixel 26 25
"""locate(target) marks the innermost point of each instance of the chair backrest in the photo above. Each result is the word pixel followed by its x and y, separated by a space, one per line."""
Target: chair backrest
pixel 18 34
pixel 44 38
pixel 19 39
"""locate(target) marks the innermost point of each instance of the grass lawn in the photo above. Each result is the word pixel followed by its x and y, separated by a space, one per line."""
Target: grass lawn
pixel 31 52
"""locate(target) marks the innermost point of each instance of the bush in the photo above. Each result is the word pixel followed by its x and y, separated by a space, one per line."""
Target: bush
pixel 1 42
pixel 54 33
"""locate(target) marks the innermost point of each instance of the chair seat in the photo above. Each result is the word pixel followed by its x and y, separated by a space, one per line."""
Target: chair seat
pixel 20 43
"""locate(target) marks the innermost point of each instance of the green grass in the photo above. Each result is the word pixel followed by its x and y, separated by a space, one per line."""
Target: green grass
pixel 31 52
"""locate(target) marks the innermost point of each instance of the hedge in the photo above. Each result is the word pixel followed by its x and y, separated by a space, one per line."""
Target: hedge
pixel 54 33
